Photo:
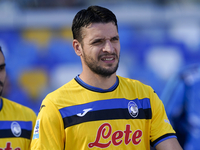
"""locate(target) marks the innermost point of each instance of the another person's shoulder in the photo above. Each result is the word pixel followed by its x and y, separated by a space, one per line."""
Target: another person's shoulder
pixel 18 108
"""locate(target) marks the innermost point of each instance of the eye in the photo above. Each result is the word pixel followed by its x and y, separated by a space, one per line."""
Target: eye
pixel 97 41
pixel 2 67
pixel 115 39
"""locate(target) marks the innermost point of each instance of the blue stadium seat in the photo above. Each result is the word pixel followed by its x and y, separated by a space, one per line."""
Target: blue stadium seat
pixel 23 55
pixel 60 51
pixel 10 36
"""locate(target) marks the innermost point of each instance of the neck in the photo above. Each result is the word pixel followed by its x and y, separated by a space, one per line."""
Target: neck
pixel 98 80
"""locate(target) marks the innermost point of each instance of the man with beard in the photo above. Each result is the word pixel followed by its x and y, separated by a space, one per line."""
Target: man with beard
pixel 16 121
pixel 98 109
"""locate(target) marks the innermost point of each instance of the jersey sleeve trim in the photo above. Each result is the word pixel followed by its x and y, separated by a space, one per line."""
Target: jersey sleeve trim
pixel 95 89
pixel 163 138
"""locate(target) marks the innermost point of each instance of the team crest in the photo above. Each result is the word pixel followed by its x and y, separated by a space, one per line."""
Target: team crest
pixel 16 129
pixel 133 109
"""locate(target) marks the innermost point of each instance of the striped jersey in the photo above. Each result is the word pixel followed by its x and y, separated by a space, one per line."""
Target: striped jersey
pixel 16 125
pixel 77 116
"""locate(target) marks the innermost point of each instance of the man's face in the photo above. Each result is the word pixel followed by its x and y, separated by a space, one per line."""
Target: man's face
pixel 101 48
pixel 2 72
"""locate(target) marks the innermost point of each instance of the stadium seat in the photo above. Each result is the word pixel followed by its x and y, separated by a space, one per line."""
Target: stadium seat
pixel 61 51
pixel 65 33
pixel 24 55
pixel 10 35
pixel 34 81
pixel 40 36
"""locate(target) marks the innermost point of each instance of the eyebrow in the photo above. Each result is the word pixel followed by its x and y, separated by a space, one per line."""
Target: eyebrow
pixel 117 36
pixel 98 39
pixel 3 65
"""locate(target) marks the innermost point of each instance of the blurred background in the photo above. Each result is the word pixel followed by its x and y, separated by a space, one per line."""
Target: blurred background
pixel 158 39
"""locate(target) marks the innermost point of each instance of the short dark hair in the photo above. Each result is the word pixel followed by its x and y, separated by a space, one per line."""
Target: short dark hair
pixel 93 14
pixel 1 51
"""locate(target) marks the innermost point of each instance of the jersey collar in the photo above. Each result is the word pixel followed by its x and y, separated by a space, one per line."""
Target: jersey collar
pixel 95 89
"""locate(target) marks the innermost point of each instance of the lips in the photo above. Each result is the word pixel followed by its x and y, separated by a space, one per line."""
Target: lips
pixel 108 59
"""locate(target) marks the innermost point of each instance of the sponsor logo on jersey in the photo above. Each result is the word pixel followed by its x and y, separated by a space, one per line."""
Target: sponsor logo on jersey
pixel 16 129
pixel 133 109
pixel 105 137
pixel 8 147
pixel 36 130
pixel 85 111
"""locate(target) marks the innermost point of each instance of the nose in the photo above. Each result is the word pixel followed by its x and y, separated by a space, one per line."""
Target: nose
pixel 108 47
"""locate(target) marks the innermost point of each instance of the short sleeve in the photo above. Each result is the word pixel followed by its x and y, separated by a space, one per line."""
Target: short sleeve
pixel 161 128
pixel 49 130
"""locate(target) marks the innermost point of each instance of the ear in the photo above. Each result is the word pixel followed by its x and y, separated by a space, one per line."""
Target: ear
pixel 77 47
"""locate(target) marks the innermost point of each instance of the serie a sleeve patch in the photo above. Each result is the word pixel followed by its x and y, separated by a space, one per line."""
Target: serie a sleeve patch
pixel 36 130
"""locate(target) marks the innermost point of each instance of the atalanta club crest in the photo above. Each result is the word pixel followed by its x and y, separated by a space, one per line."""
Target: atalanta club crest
pixel 133 109
pixel 16 129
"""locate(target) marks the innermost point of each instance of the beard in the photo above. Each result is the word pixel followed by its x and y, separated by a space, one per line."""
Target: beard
pixel 1 92
pixel 102 71
pixel 1 88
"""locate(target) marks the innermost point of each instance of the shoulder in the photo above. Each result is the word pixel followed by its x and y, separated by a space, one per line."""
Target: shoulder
pixel 60 96
pixel 16 111
pixel 17 107
pixel 64 89
pixel 135 89
pixel 133 83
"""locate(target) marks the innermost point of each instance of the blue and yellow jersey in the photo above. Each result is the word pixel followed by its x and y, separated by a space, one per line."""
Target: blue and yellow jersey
pixel 16 125
pixel 77 116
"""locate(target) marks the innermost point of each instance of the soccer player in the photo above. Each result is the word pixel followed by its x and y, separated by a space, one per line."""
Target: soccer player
pixel 16 121
pixel 181 97
pixel 99 109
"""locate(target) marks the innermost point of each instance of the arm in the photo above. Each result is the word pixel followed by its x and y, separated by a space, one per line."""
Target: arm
pixel 49 130
pixel 169 144
pixel 162 133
